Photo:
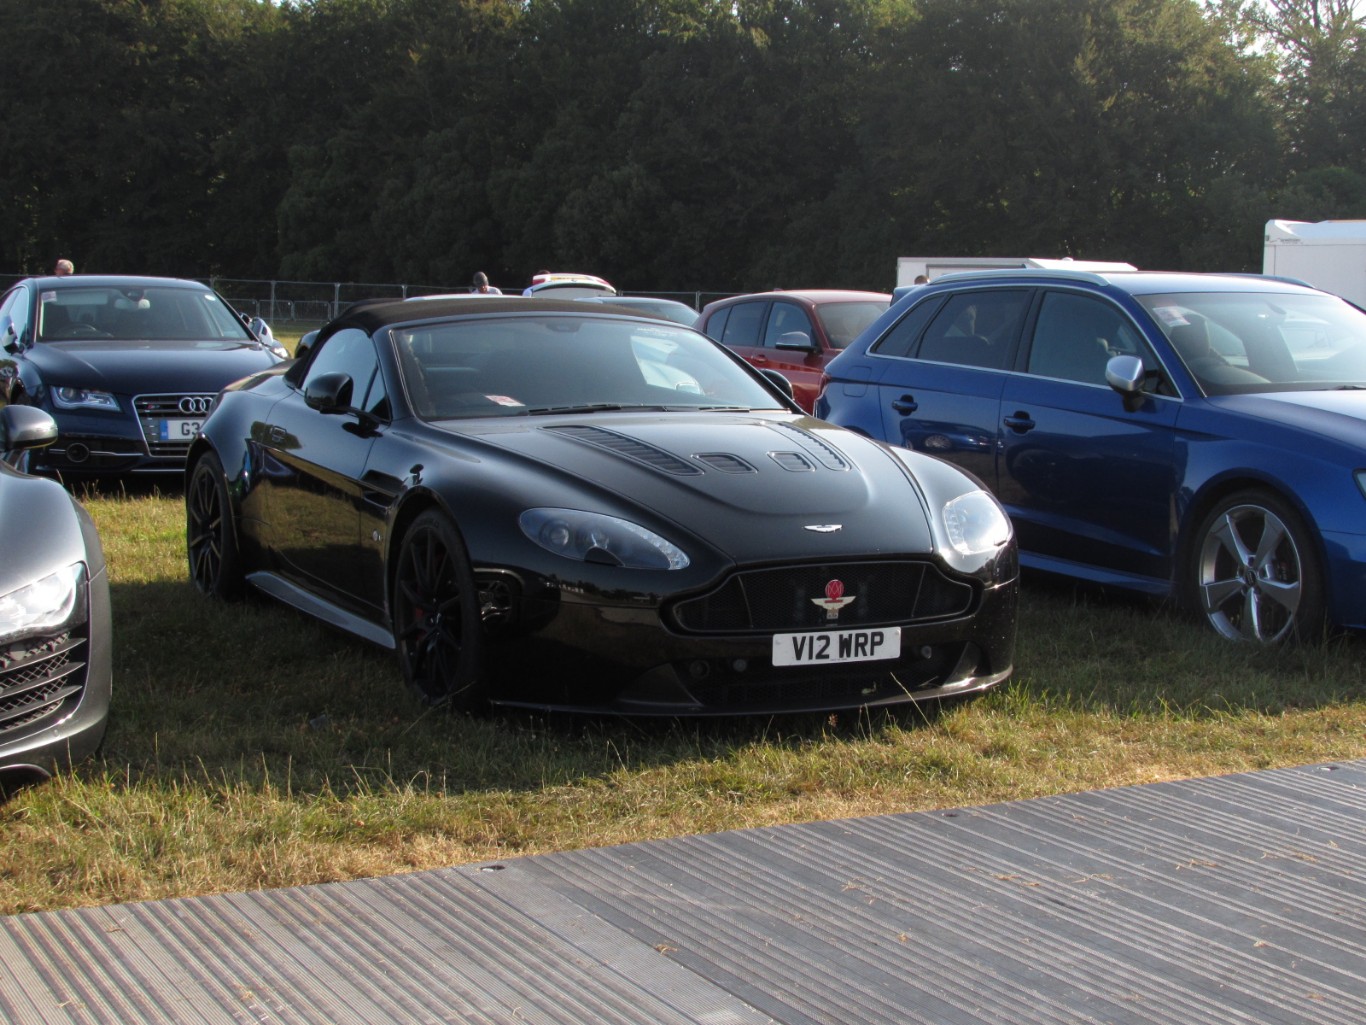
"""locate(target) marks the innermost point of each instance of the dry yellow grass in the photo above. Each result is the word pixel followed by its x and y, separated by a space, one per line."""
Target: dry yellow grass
pixel 253 748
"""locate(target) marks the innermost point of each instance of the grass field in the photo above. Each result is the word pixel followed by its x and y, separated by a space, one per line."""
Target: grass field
pixel 253 748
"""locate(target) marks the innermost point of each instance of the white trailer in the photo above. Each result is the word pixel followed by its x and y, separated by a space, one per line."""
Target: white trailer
pixel 908 268
pixel 1330 255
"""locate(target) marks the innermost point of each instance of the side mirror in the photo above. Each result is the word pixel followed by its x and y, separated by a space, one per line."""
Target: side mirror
pixel 329 393
pixel 1125 374
pixel 23 428
pixel 797 340
pixel 9 339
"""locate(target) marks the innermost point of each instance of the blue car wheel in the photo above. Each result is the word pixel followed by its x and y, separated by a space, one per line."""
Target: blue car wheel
pixel 1256 573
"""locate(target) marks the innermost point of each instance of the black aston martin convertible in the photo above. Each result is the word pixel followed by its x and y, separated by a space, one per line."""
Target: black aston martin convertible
pixel 555 505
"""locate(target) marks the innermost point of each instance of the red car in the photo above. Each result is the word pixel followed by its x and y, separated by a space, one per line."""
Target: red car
pixel 795 333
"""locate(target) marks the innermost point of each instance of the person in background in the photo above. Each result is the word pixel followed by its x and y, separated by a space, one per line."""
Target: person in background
pixel 539 275
pixel 63 268
pixel 482 286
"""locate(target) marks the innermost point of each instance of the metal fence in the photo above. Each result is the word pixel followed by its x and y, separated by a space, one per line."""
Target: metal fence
pixel 316 302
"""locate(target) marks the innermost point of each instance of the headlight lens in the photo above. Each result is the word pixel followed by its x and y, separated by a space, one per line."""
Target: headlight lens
pixel 44 606
pixel 67 397
pixel 595 537
pixel 976 523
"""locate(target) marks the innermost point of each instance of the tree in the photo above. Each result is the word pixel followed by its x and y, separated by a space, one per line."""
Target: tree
pixel 1321 46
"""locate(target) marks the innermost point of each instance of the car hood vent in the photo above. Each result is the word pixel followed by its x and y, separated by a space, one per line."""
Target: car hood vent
pixel 794 461
pixel 724 462
pixel 630 448
pixel 827 455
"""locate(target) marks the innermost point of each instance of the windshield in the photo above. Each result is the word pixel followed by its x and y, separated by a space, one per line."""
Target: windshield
pixel 136 314
pixel 525 364
pixel 844 322
pixel 1264 341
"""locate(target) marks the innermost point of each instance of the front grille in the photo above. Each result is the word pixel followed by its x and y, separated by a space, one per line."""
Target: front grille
pixel 153 410
pixel 40 679
pixel 785 598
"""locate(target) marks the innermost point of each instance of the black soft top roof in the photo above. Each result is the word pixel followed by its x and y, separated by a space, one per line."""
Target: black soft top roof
pixel 373 314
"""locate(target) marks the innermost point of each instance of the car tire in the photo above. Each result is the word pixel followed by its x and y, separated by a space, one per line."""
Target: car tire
pixel 210 534
pixel 1254 573
pixel 437 628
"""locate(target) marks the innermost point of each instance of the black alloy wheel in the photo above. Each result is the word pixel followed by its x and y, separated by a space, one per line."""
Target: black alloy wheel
pixel 436 616
pixel 1255 572
pixel 210 535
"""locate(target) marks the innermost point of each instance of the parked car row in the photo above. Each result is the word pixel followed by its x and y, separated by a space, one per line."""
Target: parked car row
pixel 593 504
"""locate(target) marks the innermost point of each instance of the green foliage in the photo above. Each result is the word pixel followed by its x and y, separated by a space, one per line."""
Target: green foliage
pixel 677 144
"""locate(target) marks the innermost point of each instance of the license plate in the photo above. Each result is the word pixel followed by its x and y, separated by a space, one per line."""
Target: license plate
pixel 178 430
pixel 828 646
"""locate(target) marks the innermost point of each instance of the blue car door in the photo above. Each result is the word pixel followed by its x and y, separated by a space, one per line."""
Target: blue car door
pixel 940 392
pixel 1090 485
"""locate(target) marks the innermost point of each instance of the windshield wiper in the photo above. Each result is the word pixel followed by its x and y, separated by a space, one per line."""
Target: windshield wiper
pixel 593 407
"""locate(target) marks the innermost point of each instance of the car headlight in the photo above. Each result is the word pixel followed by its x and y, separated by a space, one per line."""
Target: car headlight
pixel 976 523
pixel 44 606
pixel 68 397
pixel 596 537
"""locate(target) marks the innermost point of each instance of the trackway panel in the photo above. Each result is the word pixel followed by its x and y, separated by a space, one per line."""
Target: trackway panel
pixel 1237 900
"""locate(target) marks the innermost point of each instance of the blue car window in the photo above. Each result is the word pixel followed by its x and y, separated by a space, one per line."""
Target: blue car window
pixel 901 339
pixel 1075 337
pixel 976 329
pixel 16 305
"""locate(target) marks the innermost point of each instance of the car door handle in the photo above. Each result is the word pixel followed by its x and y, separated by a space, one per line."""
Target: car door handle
pixel 905 404
pixel 1020 422
pixel 278 434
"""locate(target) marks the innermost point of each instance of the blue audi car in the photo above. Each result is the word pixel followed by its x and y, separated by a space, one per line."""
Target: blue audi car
pixel 1186 435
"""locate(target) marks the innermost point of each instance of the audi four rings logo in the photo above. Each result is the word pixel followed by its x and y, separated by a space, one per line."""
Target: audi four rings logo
pixel 196 405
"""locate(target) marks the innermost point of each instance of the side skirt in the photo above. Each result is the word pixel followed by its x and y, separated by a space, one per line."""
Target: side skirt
pixel 305 601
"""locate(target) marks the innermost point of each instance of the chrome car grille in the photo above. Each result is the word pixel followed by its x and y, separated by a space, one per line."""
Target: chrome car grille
pixel 40 678
pixel 785 598
pixel 154 409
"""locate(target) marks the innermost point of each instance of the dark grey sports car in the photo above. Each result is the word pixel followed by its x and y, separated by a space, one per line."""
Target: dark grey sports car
pixel 547 504
pixel 127 366
pixel 55 675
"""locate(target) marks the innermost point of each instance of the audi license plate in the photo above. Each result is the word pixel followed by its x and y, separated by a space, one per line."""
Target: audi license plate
pixel 178 430
pixel 822 646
